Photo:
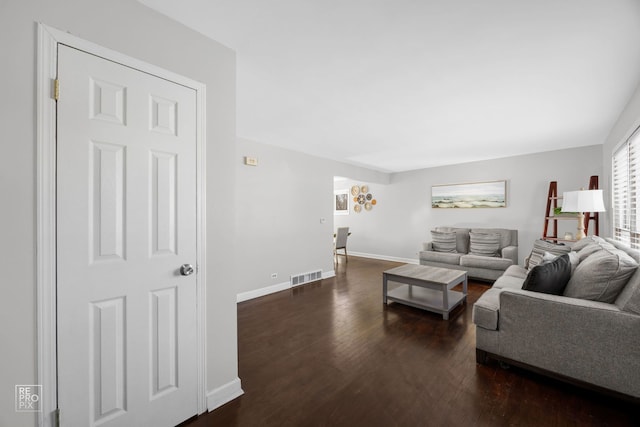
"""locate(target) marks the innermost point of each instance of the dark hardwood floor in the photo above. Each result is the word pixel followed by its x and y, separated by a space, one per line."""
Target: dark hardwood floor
pixel 331 354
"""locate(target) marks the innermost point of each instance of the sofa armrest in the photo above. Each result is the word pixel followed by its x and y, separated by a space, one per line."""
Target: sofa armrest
pixel 566 303
pixel 427 246
pixel 510 252
pixel 587 340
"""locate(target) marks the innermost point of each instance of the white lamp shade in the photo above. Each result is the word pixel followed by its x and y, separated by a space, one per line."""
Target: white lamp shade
pixel 583 201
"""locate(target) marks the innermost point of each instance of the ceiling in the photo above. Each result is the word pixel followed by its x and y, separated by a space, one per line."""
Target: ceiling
pixel 397 85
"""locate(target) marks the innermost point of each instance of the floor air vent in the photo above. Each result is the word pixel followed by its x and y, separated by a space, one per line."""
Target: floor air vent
pixel 301 279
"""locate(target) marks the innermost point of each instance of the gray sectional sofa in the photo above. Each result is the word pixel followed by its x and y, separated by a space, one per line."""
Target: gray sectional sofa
pixel 462 257
pixel 593 342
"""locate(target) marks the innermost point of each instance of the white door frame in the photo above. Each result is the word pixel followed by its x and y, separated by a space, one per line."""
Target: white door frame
pixel 48 40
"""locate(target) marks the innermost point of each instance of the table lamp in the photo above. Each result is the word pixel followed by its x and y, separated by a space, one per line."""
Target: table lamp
pixel 582 201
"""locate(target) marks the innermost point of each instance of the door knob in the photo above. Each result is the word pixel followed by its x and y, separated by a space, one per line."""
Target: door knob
pixel 186 269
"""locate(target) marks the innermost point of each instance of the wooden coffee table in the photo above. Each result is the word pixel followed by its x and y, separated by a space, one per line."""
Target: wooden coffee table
pixel 425 287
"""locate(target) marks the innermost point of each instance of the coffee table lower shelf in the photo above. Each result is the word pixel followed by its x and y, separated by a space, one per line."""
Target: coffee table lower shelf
pixel 426 299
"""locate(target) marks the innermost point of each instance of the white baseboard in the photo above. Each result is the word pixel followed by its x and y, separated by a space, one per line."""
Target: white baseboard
pixel 224 394
pixel 271 289
pixel 244 296
pixel 385 257
pixel 328 274
pixel 256 293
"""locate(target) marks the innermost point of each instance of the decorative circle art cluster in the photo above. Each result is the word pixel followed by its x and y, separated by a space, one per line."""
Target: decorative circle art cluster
pixel 362 198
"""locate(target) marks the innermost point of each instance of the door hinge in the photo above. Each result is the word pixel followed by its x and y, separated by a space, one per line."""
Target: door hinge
pixel 56 89
pixel 56 417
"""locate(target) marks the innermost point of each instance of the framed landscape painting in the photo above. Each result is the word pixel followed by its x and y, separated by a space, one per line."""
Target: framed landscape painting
pixel 492 194
pixel 341 202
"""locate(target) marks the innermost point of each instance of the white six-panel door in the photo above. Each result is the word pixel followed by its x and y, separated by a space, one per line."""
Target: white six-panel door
pixel 126 223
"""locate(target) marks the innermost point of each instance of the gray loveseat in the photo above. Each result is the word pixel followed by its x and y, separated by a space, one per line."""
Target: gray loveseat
pixel 477 266
pixel 584 341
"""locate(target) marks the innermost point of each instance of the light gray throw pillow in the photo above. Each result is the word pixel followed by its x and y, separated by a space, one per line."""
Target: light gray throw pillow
pixel 574 259
pixel 443 241
pixel 540 247
pixel 484 244
pixel 601 276
pixel 462 237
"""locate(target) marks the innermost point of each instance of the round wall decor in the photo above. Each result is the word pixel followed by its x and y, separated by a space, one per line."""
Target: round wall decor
pixel 362 198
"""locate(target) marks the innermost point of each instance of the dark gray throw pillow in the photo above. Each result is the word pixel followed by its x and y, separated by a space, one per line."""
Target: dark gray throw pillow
pixel 549 277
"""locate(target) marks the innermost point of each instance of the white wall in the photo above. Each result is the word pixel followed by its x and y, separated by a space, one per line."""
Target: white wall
pixel 279 206
pixel 402 218
pixel 281 202
pixel 133 29
pixel 380 231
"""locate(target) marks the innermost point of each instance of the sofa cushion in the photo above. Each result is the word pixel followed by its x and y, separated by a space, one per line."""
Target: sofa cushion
pixel 486 310
pixel 633 253
pixel 549 277
pixel 508 282
pixel 590 245
pixel 601 276
pixel 588 250
pixel 443 241
pixel 462 238
pixel 540 247
pixel 484 244
pixel 516 271
pixel 580 244
pixel 480 261
pixel 629 298
pixel 445 257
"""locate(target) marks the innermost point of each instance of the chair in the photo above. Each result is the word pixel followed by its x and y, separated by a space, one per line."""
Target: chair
pixel 341 242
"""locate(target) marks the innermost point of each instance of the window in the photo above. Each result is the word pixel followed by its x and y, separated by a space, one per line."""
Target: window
pixel 626 191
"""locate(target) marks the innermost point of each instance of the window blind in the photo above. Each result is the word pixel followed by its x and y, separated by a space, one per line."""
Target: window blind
pixel 626 186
